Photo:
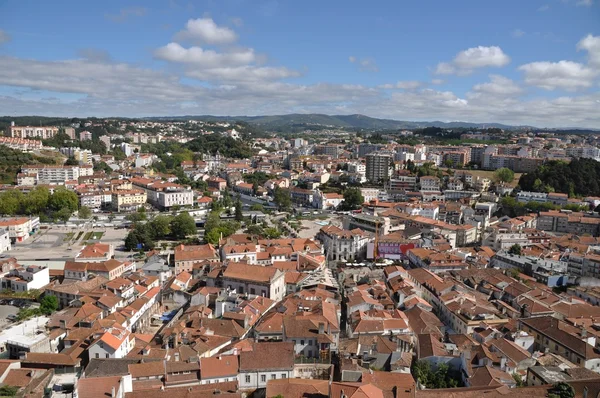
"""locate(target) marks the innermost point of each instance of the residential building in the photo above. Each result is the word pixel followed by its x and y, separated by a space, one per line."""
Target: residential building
pixel 265 361
pixel 558 337
pixel 19 229
pixel 187 255
pixel 4 240
pixel 112 342
pixel 125 200
pixel 378 166
pixel 42 132
pixel 340 244
pixel 83 271
pixel 255 279
pixel 24 279
pixel 164 195
pixel 322 200
pixel 21 144
pixel 85 136
pixel 95 253
pixel 47 174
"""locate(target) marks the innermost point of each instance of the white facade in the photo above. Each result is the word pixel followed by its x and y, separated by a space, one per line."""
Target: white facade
pixel 258 379
pixel 103 350
pixel 28 278
pixel 4 240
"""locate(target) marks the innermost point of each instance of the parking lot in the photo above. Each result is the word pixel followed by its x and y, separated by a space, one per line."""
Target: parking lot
pixel 60 243
pixel 5 311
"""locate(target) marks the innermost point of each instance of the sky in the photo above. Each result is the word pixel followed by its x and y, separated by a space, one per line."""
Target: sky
pixel 512 61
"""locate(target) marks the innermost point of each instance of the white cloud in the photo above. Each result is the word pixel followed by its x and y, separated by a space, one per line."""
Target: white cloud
pixel 174 52
pixel 566 75
pixel 592 45
pixel 205 30
pixel 437 81
pixel 4 37
pixel 402 85
pixel 585 3
pixel 517 33
pixel 244 73
pixel 125 13
pixel 476 57
pixel 497 86
pixel 364 64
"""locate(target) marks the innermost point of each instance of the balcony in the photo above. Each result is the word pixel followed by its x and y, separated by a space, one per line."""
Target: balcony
pixel 324 359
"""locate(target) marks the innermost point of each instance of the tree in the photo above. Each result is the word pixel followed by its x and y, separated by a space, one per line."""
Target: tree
pixel 515 249
pixel 272 233
pixel 48 304
pixel 353 199
pixel 62 198
pixel 504 175
pixel 63 214
pixel 183 225
pixel 257 207
pixel 136 217
pixel 139 237
pixel 84 212
pixel 562 390
pixel 282 198
pixel 71 161
pixel 8 391
pixel 10 202
pixel 518 379
pixel 160 226
pixel 239 216
pixel 36 201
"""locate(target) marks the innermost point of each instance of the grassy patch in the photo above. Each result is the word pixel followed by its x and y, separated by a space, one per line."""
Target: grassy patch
pixel 78 236
pixel 68 236
pixel 97 235
pixel 88 236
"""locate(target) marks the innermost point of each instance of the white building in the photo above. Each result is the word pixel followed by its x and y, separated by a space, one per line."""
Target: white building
pixel 340 244
pixel 266 361
pixel 255 279
pixel 323 200
pixel 43 132
pixel 19 229
pixel 57 174
pixel 113 342
pixel 4 240
pixel 369 194
pixel 24 279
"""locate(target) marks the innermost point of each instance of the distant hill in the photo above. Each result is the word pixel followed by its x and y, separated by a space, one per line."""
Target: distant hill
pixel 338 121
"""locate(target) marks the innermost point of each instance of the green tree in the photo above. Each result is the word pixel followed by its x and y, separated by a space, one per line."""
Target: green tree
pixel 353 199
pixel 515 249
pixel 519 380
pixel 160 226
pixel 63 214
pixel 71 161
pixel 257 207
pixel 84 212
pixel 139 235
pixel 272 233
pixel 136 216
pixel 62 198
pixel 239 216
pixel 282 198
pixel 562 390
pixel 36 201
pixel 10 202
pixel 8 391
pixel 255 230
pixel 183 225
pixel 48 304
pixel 504 175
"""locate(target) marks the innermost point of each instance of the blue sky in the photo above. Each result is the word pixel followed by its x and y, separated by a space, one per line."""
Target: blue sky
pixel 518 62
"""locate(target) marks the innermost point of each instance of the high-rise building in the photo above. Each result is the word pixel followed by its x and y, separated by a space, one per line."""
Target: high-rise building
pixel 365 149
pixel 378 166
pixel 43 132
pixel 85 136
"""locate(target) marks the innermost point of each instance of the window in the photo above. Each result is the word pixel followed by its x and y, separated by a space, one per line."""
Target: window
pixel 283 376
pixel 309 342
pixel 247 378
pixel 252 291
pixel 263 378
pixel 273 376
pixel 106 355
pixel 578 361
pixel 97 355
pixel 301 342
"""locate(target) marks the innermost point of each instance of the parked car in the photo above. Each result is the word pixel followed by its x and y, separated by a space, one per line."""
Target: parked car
pixel 12 317
pixel 3 302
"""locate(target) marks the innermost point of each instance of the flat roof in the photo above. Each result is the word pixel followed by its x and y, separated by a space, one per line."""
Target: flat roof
pixel 25 333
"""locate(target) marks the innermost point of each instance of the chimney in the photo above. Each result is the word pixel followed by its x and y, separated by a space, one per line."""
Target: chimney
pixel 503 363
pixel 113 394
pixel 176 357
pixel 583 332
pixel 321 328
